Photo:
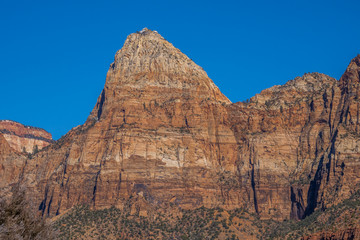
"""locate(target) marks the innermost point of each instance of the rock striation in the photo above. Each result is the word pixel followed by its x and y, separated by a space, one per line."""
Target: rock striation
pixel 158 132
pixel 277 132
pixel 161 133
pixel 24 138
pixel 11 165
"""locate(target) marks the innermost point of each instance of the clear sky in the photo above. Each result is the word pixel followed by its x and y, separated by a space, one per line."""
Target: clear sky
pixel 54 55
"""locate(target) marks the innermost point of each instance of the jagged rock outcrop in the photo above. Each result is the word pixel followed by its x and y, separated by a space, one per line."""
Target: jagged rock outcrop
pixel 24 138
pixel 162 133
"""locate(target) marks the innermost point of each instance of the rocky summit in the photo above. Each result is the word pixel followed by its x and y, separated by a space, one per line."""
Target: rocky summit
pixel 163 136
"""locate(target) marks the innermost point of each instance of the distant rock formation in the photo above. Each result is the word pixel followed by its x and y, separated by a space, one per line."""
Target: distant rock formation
pixel 24 138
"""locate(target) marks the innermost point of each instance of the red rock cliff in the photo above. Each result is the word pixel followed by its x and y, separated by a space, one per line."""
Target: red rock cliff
pixel 22 137
pixel 11 164
pixel 162 132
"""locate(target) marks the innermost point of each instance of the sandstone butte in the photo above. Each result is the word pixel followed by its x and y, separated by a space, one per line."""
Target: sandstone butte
pixel 161 132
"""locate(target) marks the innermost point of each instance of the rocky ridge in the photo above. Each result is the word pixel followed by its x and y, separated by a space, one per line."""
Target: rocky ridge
pixel 24 138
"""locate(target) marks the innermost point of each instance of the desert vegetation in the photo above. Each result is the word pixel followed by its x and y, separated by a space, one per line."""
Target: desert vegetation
pixel 202 223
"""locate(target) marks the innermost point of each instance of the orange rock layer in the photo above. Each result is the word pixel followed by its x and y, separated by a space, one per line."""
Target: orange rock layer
pixel 11 165
pixel 24 138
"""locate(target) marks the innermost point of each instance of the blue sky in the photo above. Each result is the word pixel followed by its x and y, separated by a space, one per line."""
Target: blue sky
pixel 54 55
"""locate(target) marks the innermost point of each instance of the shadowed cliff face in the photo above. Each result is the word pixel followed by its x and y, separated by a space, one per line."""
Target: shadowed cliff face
pixel 282 133
pixel 162 133
pixel 334 173
pixel 17 143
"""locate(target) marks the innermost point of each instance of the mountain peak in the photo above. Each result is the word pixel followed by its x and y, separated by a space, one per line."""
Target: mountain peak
pixel 148 51
pixel 147 59
pixel 149 64
pixel 145 35
pixel 351 77
pixel 355 62
pixel 146 31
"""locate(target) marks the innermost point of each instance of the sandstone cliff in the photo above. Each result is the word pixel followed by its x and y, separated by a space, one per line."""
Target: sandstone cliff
pixel 16 142
pixel 11 165
pixel 275 131
pixel 24 138
pixel 159 130
pixel 162 133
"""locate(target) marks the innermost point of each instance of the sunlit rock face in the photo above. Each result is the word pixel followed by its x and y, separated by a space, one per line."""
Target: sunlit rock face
pixel 159 130
pixel 11 165
pixel 161 133
pixel 16 142
pixel 24 138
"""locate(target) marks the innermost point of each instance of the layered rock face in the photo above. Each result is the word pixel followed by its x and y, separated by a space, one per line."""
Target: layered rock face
pixel 300 140
pixel 158 131
pixel 334 173
pixel 162 133
pixel 11 164
pixel 24 138
pixel 278 140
